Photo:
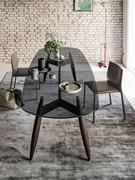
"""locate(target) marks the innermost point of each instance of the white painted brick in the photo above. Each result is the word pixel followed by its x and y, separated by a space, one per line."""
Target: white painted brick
pixel 24 25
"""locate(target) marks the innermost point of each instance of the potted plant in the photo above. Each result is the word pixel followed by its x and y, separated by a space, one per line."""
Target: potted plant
pixel 52 46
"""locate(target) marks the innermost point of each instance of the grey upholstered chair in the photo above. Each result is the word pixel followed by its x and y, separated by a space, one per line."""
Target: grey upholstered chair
pixel 16 72
pixel 112 84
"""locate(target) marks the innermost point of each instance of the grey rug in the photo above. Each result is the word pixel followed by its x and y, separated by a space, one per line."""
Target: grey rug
pixel 60 153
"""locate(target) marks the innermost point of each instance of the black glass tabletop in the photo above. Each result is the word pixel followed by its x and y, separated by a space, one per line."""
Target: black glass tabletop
pixel 71 68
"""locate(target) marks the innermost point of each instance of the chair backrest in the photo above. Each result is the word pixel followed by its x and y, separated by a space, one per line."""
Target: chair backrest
pixel 14 62
pixel 114 75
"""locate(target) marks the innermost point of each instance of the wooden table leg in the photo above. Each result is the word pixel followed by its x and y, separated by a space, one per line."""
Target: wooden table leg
pixel 35 134
pixel 83 129
pixel 36 129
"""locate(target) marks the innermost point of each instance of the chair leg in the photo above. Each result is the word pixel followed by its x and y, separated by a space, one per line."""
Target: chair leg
pixel 45 75
pixel 11 83
pixel 84 95
pixel 94 99
pixel 110 98
pixel 14 82
pixel 123 106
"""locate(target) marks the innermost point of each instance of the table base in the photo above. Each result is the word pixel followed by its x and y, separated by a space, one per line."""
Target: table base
pixel 42 109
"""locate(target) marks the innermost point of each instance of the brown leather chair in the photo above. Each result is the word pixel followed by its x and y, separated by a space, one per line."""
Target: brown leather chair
pixel 16 72
pixel 112 84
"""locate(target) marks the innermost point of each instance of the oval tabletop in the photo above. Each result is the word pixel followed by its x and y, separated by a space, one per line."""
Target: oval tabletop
pixel 77 69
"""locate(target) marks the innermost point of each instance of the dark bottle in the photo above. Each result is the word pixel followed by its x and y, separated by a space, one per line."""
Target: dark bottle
pixel 41 64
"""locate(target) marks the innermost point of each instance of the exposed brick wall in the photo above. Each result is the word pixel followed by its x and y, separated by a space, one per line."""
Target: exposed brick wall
pixel 24 25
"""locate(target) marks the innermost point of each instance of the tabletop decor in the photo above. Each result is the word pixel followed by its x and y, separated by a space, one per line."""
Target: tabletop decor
pixel 52 46
pixel 41 64
pixel 83 5
pixel 35 74
pixel 70 87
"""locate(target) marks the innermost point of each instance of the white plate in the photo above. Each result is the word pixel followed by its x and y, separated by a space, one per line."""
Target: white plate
pixel 70 87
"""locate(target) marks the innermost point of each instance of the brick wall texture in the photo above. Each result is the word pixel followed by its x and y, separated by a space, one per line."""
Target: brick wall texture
pixel 25 24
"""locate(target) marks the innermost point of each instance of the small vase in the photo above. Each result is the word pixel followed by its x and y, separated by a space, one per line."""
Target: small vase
pixel 41 64
pixel 35 74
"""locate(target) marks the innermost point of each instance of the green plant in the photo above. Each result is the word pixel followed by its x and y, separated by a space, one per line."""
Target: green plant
pixel 52 46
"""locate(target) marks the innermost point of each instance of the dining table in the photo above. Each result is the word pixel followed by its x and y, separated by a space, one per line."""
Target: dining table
pixel 60 94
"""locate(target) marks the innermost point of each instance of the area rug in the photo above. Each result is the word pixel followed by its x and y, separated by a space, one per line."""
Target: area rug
pixel 60 153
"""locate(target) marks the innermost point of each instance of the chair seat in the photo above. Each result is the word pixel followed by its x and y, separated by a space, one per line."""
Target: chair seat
pixel 22 72
pixel 101 86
